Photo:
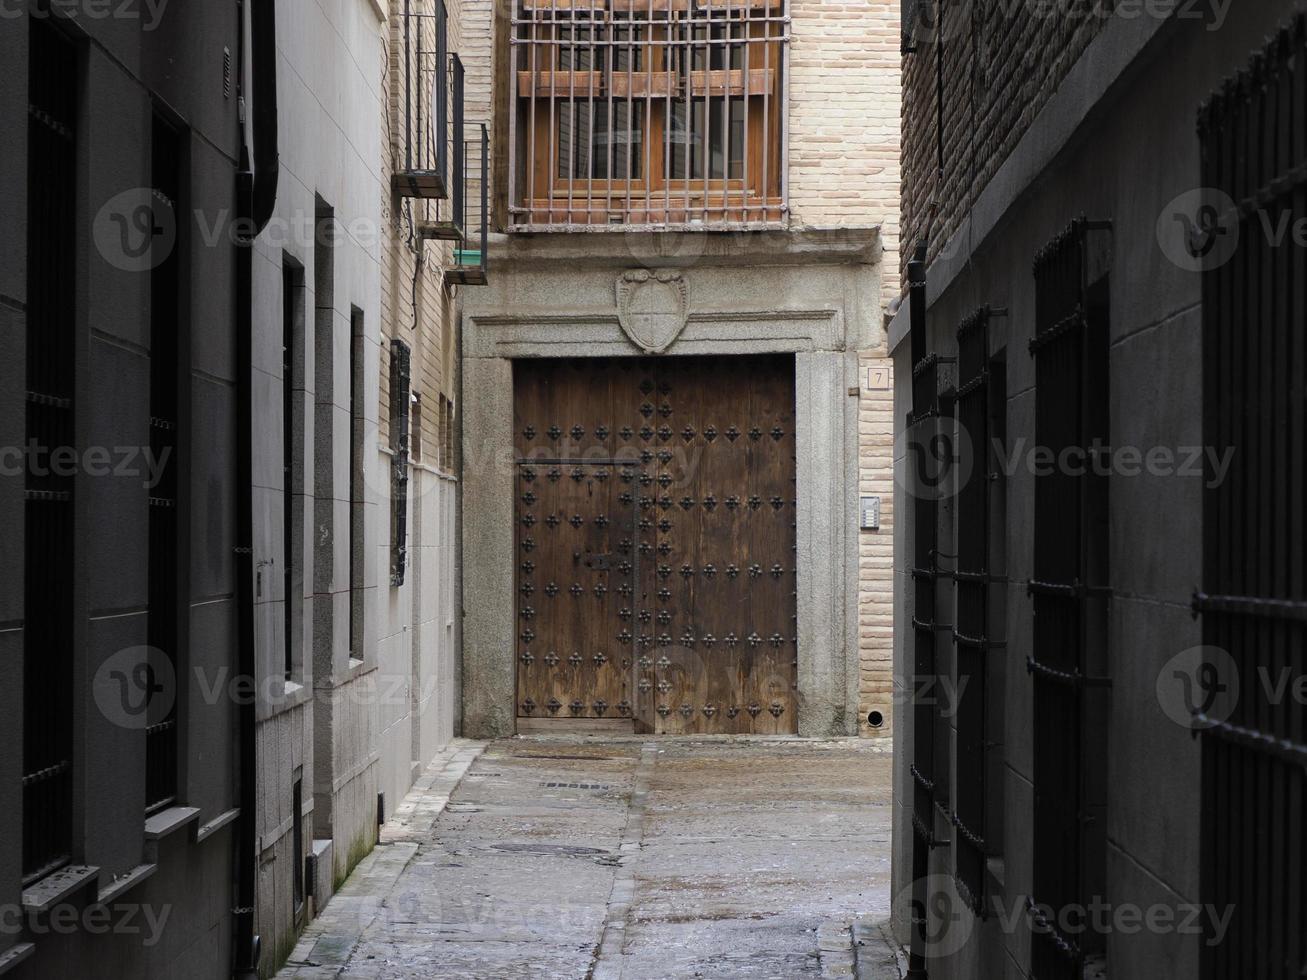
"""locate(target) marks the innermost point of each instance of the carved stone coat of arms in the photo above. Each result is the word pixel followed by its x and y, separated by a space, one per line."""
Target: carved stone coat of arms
pixel 652 307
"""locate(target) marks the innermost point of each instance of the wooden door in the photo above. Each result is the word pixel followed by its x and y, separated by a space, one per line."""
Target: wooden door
pixel 656 542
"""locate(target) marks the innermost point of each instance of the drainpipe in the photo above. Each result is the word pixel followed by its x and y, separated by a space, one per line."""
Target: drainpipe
pixel 256 195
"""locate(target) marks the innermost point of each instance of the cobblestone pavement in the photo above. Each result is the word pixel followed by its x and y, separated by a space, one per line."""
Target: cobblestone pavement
pixel 624 858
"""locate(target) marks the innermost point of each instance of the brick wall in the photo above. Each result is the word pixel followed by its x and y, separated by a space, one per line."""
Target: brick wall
pixel 844 115
pixel 998 71
pixel 876 548
pixel 844 171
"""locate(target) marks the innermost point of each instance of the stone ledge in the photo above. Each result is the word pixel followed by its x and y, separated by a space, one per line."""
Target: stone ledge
pixel 206 830
pixel 123 883
pixel 58 886
pixel 599 249
pixel 169 821
pixel 14 955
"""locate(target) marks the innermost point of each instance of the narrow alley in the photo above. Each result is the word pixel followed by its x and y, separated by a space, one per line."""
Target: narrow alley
pixel 621 857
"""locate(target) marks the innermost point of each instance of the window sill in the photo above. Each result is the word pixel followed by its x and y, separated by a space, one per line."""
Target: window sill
pixel 169 821
pixel 14 955
pixel 124 883
pixel 58 886
pixel 204 831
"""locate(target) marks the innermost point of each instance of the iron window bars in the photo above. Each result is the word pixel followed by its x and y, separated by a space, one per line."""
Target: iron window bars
pixel 971 632
pixel 1253 605
pixel 424 63
pixel 49 554
pixel 929 767
pixel 1069 600
pixel 400 375
pixel 647 114
pixel 166 322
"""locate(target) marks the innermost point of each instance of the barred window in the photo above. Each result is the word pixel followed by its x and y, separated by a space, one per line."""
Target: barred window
pixel 976 632
pixel 1069 594
pixel 657 113
pixel 1253 601
pixel 49 551
pixel 399 445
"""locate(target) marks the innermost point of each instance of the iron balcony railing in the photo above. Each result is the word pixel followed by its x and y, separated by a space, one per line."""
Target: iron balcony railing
pixel 472 196
pixel 422 170
pixel 647 114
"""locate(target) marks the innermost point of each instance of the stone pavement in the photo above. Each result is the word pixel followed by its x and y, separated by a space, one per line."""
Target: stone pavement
pixel 632 858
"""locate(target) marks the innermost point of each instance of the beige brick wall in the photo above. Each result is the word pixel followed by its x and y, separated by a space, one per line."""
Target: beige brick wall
pixel 844 115
pixel 876 548
pixel 844 171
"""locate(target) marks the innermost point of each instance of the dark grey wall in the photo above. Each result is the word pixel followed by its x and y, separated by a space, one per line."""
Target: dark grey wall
pixel 130 64
pixel 1135 152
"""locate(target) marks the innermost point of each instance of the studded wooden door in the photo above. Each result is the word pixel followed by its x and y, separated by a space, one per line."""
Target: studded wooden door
pixel 656 532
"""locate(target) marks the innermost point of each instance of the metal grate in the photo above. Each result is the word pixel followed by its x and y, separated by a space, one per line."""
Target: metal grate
pixel 971 633
pixel 165 324
pixel 1068 597
pixel 423 171
pixel 648 113
pixel 399 443
pixel 929 766
pixel 1254 600
pixel 49 554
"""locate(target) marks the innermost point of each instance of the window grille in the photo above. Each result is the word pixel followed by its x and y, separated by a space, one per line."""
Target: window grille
pixel 1253 601
pixel 972 638
pixel 166 323
pixel 1069 595
pixel 929 767
pixel 648 113
pixel 49 555
pixel 292 455
pixel 358 428
pixel 399 444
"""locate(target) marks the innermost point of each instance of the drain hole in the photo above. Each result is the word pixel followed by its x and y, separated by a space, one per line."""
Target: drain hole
pixel 875 719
